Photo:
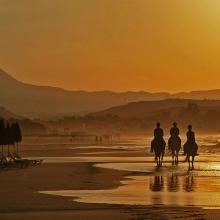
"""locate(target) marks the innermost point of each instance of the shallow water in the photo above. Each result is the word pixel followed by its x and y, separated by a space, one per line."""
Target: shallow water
pixel 153 190
pixel 169 185
pixel 203 157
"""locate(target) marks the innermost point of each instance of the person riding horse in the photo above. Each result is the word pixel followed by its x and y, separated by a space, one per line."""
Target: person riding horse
pixel 174 142
pixel 190 147
pixel 174 131
pixel 158 144
pixel 191 141
pixel 158 135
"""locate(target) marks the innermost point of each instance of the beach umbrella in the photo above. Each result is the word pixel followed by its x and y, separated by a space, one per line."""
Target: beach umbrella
pixel 7 136
pixel 2 127
pixel 13 135
pixel 17 134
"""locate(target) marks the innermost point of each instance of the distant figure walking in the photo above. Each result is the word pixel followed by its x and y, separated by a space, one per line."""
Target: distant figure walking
pixel 174 143
pixel 158 145
pixel 190 147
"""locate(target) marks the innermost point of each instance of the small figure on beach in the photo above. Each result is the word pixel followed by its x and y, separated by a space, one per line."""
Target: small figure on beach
pixel 174 143
pixel 158 145
pixel 190 147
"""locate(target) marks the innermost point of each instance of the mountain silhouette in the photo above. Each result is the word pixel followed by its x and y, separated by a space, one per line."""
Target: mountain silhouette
pixel 147 108
pixel 6 114
pixel 27 99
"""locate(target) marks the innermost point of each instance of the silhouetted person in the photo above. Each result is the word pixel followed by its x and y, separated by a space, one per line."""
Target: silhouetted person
pixel 190 134
pixel 158 137
pixel 174 131
pixel 158 131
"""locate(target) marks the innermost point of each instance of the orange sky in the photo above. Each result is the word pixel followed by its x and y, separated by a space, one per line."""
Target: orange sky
pixel 153 45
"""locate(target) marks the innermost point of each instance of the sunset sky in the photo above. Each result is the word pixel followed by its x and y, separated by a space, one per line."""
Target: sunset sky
pixel 152 45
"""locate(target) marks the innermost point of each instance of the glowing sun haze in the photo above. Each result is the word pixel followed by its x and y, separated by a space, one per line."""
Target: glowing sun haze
pixel 153 45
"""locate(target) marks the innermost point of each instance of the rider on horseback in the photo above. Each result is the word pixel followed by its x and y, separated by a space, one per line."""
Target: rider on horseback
pixel 158 131
pixel 158 134
pixel 191 140
pixel 174 131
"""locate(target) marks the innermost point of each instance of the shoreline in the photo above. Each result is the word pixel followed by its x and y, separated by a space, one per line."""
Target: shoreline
pixel 20 200
pixel 61 206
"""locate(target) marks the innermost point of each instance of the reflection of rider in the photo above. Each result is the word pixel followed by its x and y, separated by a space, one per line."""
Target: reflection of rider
pixel 190 139
pixel 158 133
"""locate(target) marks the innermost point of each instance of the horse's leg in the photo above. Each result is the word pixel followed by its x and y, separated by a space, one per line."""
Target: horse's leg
pixel 193 162
pixel 177 157
pixel 173 158
pixel 188 157
pixel 156 160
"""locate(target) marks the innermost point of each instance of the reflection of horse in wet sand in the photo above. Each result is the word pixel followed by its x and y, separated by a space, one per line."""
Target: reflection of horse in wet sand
pixel 190 148
pixel 173 183
pixel 174 145
pixel 189 184
pixel 158 146
pixel 158 184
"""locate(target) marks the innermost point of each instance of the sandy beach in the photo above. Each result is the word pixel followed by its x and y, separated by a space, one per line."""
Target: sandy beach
pixel 24 192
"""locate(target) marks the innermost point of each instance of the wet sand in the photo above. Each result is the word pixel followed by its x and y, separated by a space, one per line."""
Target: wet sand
pixel 20 198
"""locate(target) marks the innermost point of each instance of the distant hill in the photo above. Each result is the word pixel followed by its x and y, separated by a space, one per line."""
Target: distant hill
pixel 146 108
pixel 32 100
pixel 43 100
pixel 6 114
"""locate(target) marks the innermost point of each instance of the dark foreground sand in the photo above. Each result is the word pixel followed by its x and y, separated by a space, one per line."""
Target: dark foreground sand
pixel 19 198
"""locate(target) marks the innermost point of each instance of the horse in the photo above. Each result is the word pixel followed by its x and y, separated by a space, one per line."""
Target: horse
pixel 190 148
pixel 158 146
pixel 174 144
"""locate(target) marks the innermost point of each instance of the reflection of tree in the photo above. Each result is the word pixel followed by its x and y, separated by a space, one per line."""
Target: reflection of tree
pixel 173 183
pixel 157 185
pixel 189 184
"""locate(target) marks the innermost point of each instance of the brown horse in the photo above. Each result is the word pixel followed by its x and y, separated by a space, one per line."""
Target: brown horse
pixel 158 145
pixel 190 149
pixel 174 144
